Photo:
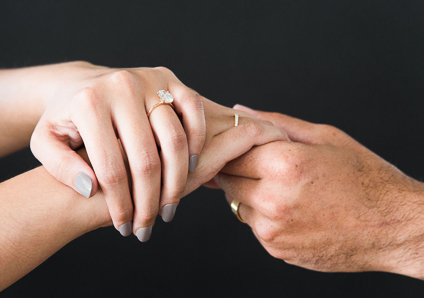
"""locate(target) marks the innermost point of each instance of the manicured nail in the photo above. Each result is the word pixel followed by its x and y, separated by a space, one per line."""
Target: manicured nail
pixel 126 229
pixel 168 212
pixel 192 163
pixel 83 184
pixel 143 234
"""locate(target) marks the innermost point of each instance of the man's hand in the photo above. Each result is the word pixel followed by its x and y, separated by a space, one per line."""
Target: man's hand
pixel 325 202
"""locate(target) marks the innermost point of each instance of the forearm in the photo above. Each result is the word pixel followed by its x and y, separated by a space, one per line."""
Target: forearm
pixel 20 106
pixel 38 216
pixel 404 250
pixel 23 96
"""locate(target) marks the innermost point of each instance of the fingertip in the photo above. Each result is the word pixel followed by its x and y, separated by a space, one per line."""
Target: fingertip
pixel 238 107
pixel 192 163
pixel 126 229
pixel 83 184
pixel 243 108
pixel 168 212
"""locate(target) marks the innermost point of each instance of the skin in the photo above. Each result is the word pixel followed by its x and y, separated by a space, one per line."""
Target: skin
pixel 36 210
pixel 325 202
pixel 77 102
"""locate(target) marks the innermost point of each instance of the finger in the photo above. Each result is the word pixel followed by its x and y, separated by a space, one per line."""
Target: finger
pixel 231 144
pixel 145 167
pixel 98 134
pixel 174 156
pixel 297 130
pixel 248 165
pixel 63 163
pixel 245 190
pixel 246 213
pixel 262 161
pixel 188 104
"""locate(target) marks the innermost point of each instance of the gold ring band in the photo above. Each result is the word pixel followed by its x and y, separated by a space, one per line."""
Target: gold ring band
pixel 235 208
pixel 236 119
pixel 161 103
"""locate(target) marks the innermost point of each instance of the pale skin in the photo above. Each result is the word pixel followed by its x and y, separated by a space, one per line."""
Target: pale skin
pixel 77 102
pixel 39 214
pixel 325 202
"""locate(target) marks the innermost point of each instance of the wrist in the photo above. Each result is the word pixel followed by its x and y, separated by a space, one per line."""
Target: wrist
pixel 404 251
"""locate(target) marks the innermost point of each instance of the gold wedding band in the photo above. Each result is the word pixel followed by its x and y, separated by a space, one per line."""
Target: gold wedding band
pixel 236 119
pixel 235 208
pixel 165 99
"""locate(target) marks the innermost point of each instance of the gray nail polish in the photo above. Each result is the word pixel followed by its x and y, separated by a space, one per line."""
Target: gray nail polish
pixel 83 184
pixel 192 163
pixel 126 229
pixel 168 212
pixel 143 234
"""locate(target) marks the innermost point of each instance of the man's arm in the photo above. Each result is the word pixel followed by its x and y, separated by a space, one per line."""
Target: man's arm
pixel 327 203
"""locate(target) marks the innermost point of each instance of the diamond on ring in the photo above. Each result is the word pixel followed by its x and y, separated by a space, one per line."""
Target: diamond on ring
pixel 165 96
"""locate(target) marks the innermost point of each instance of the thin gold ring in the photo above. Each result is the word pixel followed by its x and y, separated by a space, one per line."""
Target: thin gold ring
pixel 161 103
pixel 236 119
pixel 235 208
pixel 165 99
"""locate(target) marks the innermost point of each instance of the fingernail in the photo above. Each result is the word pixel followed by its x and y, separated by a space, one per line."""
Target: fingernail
pixel 242 107
pixel 126 229
pixel 83 184
pixel 192 163
pixel 143 234
pixel 168 212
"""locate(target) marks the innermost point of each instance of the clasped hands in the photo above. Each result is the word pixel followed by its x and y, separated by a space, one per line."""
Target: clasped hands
pixel 312 195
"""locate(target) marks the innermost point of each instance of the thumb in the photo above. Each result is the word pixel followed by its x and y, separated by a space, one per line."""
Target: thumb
pixel 62 162
pixel 297 130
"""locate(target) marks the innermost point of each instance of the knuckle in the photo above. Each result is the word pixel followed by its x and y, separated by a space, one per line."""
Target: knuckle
pixel 274 211
pixel 163 69
pixel 196 102
pixel 175 191
pixel 123 214
pixel 266 122
pixel 253 129
pixel 326 130
pixel 122 78
pixel 80 63
pixel 290 166
pixel 145 216
pixel 146 164
pixel 88 100
pixel 112 174
pixel 266 232
pixel 177 140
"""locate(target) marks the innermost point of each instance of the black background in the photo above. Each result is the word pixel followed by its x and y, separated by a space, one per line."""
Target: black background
pixel 358 65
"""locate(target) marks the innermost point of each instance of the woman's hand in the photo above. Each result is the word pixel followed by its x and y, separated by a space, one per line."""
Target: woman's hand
pixel 96 106
pixel 327 203
pixel 225 142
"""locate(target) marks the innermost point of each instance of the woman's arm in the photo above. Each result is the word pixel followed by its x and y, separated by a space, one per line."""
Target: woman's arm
pixel 94 105
pixel 38 216
pixel 21 104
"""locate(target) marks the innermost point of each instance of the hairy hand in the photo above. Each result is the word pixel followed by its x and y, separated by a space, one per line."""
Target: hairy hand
pixel 324 202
